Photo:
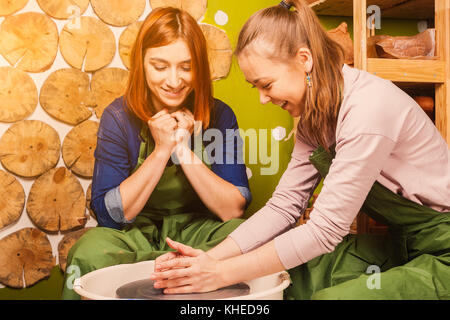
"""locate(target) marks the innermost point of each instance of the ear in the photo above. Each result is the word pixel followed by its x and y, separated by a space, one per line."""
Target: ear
pixel 304 57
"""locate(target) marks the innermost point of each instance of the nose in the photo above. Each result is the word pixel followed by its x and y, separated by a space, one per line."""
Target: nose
pixel 263 98
pixel 174 79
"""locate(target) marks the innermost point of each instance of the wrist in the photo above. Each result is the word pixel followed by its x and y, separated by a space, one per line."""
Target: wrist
pixel 162 152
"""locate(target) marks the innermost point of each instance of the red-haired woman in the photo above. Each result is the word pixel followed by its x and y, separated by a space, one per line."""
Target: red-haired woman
pixel 148 183
pixel 378 150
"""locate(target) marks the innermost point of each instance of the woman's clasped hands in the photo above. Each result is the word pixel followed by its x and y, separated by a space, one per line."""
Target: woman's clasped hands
pixel 187 270
pixel 172 131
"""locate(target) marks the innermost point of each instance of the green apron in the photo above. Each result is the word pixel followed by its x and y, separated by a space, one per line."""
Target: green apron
pixel 411 262
pixel 173 210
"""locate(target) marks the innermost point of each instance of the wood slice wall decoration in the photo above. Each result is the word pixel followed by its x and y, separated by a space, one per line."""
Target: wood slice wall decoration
pixel 89 46
pixel 127 40
pixel 29 148
pixel 196 8
pixel 107 85
pixel 8 7
pixel 219 51
pixel 18 95
pixel 66 244
pixel 57 202
pixel 118 13
pixel 29 41
pixel 12 200
pixel 65 95
pixel 25 254
pixel 88 201
pixel 63 9
pixel 78 148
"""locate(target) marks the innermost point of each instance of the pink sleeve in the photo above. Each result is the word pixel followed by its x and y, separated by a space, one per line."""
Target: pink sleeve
pixel 358 162
pixel 284 208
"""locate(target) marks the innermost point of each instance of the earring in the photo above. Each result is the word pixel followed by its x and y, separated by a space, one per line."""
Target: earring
pixel 308 80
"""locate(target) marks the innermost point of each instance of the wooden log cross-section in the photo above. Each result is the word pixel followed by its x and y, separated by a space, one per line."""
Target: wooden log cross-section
pixel 18 95
pixel 25 258
pixel 57 202
pixel 118 13
pixel 12 199
pixel 126 42
pixel 8 7
pixel 89 46
pixel 63 9
pixel 196 8
pixel 29 41
pixel 66 244
pixel 219 51
pixel 65 95
pixel 29 148
pixel 78 148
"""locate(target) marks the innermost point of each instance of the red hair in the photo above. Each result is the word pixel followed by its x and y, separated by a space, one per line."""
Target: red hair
pixel 162 27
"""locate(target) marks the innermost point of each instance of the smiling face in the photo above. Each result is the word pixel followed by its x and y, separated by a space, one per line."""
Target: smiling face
pixel 279 82
pixel 169 75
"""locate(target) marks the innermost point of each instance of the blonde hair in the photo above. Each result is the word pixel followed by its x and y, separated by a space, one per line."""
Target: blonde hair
pixel 287 31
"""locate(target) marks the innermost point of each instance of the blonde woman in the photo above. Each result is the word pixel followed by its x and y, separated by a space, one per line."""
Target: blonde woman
pixel 377 150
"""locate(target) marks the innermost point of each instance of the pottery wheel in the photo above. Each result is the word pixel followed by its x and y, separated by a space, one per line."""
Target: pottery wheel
pixel 144 289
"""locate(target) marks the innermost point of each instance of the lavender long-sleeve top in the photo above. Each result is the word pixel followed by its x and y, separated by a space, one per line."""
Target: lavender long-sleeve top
pixel 382 135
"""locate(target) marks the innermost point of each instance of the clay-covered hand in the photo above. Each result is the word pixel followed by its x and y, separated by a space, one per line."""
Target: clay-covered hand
pixel 193 271
pixel 162 127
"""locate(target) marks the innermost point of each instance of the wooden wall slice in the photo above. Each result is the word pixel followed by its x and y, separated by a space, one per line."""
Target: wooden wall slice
pixel 119 13
pixel 29 41
pixel 126 42
pixel 220 53
pixel 65 95
pixel 18 95
pixel 78 148
pixel 196 8
pixel 56 201
pixel 12 199
pixel 90 47
pixel 106 86
pixel 29 148
pixel 88 202
pixel 63 9
pixel 8 7
pixel 27 254
pixel 66 244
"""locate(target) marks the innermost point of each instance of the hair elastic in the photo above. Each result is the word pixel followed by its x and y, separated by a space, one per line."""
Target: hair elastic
pixel 285 5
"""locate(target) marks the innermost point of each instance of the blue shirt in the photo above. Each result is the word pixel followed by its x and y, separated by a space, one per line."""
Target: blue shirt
pixel 117 151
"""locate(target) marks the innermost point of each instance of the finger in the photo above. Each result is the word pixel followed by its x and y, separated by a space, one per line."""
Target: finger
pixel 173 283
pixel 163 258
pixel 176 263
pixel 171 274
pixel 183 249
pixel 189 113
pixel 183 289
pixel 160 113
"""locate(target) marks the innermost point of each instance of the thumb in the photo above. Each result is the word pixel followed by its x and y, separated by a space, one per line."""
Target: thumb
pixel 183 249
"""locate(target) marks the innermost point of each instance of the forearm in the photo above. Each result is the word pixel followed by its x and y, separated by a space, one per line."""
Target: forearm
pixel 137 188
pixel 218 195
pixel 226 249
pixel 254 264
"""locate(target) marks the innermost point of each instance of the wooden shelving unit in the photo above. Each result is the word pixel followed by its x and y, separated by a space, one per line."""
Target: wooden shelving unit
pixel 427 72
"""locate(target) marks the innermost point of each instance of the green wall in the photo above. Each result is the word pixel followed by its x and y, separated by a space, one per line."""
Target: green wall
pixel 244 100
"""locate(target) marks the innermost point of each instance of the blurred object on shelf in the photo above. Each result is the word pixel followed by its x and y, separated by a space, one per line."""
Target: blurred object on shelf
pixel 426 103
pixel 420 46
pixel 342 36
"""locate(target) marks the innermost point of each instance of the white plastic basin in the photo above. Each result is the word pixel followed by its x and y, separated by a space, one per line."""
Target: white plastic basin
pixel 102 284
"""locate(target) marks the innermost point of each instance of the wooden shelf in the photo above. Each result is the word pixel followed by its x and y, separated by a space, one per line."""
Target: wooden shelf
pixel 393 9
pixel 400 70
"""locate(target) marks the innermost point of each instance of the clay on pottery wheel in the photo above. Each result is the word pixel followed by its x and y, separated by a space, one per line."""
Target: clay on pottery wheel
pixel 144 289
